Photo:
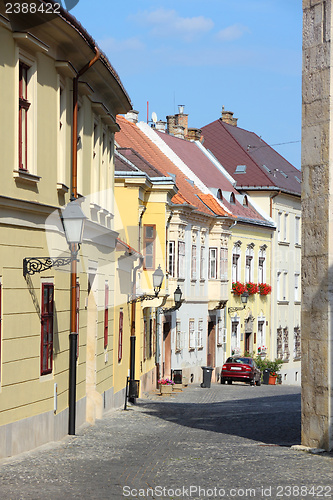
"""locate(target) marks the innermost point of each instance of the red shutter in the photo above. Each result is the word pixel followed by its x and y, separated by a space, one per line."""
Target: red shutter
pixel 106 316
pixel 120 345
pixel 47 328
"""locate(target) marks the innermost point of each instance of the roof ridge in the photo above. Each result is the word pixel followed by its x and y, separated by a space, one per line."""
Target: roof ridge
pixel 246 152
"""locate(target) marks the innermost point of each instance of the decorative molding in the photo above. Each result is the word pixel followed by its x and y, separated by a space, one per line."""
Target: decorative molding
pixel 238 243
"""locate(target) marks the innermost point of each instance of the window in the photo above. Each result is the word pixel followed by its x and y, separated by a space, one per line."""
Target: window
pixel 181 259
pixel 191 334
pixel 200 333
pixel 149 246
pixel 178 337
pixel 212 263
pixel 297 342
pixel 223 263
pixel 47 328
pixel 106 316
pixel 284 285
pixel 279 225
pixel 248 269
pixel 262 266
pixel 297 230
pixel 62 136
pixel 120 338
pixel 202 263
pixel 221 333
pixel 285 228
pixel 194 262
pixel 286 353
pixel 296 287
pixel 261 333
pixel 279 342
pixel 24 106
pixel 150 343
pixel 172 258
pixel 234 335
pixel 278 285
pixel 145 343
pixel 236 264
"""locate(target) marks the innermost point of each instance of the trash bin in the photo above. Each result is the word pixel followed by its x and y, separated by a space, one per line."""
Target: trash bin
pixel 207 376
pixel 177 376
pixel 266 377
pixel 133 389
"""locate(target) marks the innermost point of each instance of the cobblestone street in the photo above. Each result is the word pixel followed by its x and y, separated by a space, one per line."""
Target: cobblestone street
pixel 223 442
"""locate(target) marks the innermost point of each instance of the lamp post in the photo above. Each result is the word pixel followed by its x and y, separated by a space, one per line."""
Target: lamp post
pixel 177 297
pixel 73 221
pixel 158 276
pixel 244 298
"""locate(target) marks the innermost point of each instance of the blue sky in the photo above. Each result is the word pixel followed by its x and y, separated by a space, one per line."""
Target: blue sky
pixel 244 54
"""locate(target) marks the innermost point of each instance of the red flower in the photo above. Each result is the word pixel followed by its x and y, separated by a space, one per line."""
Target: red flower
pixel 252 288
pixel 264 288
pixel 238 288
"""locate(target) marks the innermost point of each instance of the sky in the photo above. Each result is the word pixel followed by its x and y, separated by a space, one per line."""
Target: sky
pixel 244 54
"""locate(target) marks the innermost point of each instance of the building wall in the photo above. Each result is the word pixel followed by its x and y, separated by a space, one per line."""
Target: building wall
pixel 317 343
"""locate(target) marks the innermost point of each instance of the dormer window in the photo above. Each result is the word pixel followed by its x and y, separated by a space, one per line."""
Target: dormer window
pixel 245 201
pixel 240 169
pixel 219 195
pixel 232 199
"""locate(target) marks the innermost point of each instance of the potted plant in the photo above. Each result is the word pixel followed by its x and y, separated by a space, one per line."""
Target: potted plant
pixel 264 288
pixel 252 288
pixel 272 366
pixel 238 288
pixel 165 385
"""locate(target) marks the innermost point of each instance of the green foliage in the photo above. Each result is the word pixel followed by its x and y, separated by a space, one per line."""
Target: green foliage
pixel 267 364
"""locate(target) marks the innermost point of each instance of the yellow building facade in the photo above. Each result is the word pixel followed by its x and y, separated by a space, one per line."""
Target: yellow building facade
pixel 37 68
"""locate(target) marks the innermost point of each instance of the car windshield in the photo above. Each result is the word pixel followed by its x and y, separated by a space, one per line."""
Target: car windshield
pixel 243 361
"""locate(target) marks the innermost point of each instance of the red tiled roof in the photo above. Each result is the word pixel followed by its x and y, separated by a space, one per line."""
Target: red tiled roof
pixel 208 173
pixel 137 160
pixel 130 136
pixel 212 203
pixel 234 146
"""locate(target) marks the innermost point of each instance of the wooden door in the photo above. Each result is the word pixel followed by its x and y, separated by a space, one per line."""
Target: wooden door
pixel 211 341
pixel 167 350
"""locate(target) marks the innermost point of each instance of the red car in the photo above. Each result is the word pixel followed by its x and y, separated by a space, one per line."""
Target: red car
pixel 239 369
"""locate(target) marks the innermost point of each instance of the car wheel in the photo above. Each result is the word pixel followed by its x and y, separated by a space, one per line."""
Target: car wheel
pixel 229 382
pixel 222 380
pixel 258 382
pixel 252 382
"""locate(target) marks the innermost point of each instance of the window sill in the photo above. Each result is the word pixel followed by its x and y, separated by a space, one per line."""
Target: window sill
pixel 297 302
pixel 193 280
pixel 178 351
pixel 200 348
pixel 24 176
pixel 281 302
pixel 191 349
pixel 284 243
pixel 62 188
pixel 298 245
pixel 297 358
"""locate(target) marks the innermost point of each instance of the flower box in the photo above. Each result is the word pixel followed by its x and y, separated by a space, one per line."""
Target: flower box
pixel 264 288
pixel 272 379
pixel 238 288
pixel 166 389
pixel 252 288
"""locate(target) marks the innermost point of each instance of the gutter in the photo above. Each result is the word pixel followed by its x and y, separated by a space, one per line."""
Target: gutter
pixel 271 202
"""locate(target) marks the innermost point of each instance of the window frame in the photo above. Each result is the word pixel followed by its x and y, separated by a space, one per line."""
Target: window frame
pixel 24 105
pixel 212 275
pixel 194 262
pixel 223 263
pixel 181 259
pixel 172 258
pixel 149 241
pixel 46 365
pixel 191 334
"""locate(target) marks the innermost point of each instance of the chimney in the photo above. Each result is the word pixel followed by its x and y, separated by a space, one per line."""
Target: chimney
pixel 228 117
pixel 182 119
pixel 194 134
pixel 179 131
pixel 171 122
pixel 160 125
pixel 132 116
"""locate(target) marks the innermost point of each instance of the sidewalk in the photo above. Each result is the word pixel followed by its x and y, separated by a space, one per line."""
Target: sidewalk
pixel 223 442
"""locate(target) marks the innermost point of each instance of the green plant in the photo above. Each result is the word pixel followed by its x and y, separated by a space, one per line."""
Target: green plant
pixel 267 364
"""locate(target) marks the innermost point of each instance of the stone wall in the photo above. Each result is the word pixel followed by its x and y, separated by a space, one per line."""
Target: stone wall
pixel 317 234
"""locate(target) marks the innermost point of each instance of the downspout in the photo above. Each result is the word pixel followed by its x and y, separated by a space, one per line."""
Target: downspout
pixel 272 270
pixel 73 326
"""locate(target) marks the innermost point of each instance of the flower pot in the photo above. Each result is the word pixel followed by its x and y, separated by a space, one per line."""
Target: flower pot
pixel 272 380
pixel 165 389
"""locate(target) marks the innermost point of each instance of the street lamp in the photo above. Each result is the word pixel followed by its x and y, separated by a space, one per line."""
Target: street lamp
pixel 177 296
pixel 158 277
pixel 244 297
pixel 73 221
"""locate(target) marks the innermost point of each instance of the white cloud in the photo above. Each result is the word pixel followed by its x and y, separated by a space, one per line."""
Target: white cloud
pixel 233 32
pixel 111 45
pixel 167 23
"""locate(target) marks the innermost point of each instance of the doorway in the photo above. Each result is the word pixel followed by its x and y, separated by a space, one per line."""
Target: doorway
pixel 167 350
pixel 211 342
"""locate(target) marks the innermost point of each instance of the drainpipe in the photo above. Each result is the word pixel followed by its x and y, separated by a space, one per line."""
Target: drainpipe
pixel 73 326
pixel 272 269
pixel 133 318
